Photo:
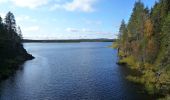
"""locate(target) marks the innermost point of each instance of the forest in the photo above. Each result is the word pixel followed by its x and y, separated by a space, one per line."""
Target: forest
pixel 12 53
pixel 144 45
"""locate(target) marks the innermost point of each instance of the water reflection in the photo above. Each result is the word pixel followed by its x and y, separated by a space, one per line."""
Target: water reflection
pixel 70 71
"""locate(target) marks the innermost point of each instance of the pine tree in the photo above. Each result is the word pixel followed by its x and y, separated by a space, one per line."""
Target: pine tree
pixel 165 43
pixel 12 52
pixel 122 28
pixel 10 22
pixel 20 37
pixel 146 43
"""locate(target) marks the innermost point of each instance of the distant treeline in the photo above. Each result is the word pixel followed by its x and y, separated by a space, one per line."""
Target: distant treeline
pixel 12 52
pixel 144 45
pixel 71 40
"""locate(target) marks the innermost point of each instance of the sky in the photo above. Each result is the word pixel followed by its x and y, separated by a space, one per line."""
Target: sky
pixel 69 19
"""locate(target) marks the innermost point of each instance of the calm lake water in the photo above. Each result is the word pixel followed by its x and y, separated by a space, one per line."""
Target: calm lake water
pixel 70 71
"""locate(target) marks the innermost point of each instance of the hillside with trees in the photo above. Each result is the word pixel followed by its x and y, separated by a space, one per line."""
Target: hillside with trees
pixel 12 53
pixel 144 45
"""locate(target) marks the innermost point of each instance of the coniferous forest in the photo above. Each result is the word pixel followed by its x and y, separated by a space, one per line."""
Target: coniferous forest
pixel 12 52
pixel 144 45
pixel 75 68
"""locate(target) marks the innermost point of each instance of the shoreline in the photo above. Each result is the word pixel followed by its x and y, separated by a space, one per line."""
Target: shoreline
pixel 68 41
pixel 10 66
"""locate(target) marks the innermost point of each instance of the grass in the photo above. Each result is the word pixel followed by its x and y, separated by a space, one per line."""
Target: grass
pixel 114 45
pixel 153 83
pixel 134 79
pixel 130 61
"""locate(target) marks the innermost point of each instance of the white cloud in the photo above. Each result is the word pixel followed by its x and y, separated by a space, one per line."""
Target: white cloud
pixel 30 3
pixel 83 30
pixel 101 32
pixel 2 15
pixel 68 5
pixel 3 1
pixel 31 29
pixel 56 6
pixel 80 5
pixel 72 30
pixel 22 18
pixel 76 5
pixel 87 30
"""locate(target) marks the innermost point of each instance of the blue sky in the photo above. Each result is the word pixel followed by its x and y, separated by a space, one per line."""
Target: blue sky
pixel 69 19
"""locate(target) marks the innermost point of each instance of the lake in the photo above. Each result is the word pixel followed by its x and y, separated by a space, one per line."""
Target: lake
pixel 71 71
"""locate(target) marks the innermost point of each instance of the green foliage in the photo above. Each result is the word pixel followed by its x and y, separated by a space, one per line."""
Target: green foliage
pixel 11 49
pixel 114 45
pixel 134 79
pixel 10 22
pixel 121 54
pixel 135 25
pixel 144 45
pixel 165 98
pixel 130 61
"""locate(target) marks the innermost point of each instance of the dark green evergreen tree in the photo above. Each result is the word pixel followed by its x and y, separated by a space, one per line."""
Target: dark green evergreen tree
pixel 10 22
pixel 12 52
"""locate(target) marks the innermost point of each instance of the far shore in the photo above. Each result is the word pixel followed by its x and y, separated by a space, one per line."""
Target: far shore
pixel 68 40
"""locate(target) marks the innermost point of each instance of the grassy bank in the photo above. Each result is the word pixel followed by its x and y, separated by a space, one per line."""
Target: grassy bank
pixel 148 76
